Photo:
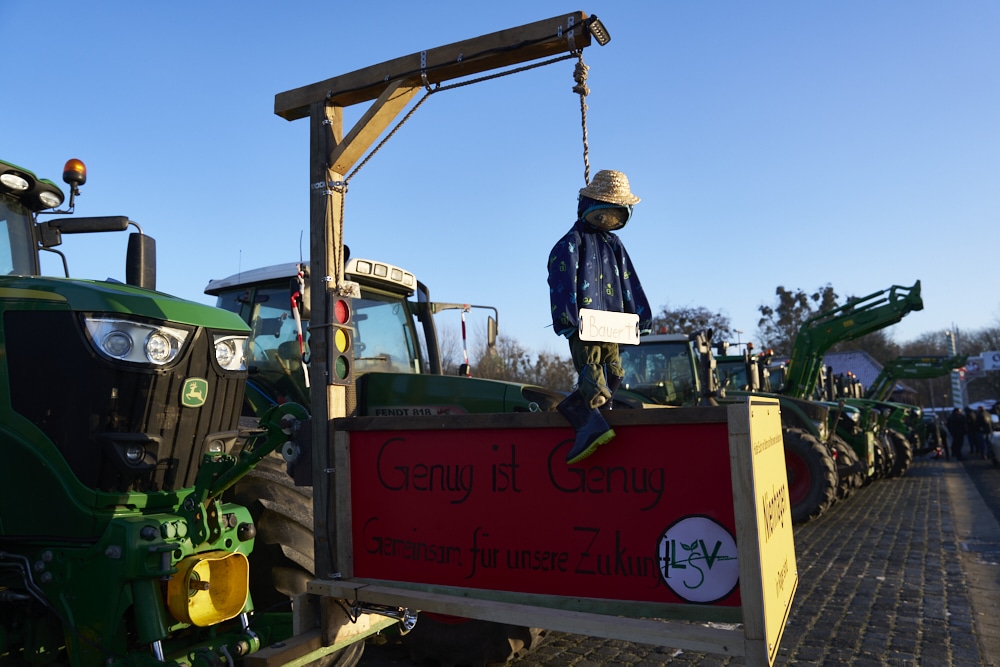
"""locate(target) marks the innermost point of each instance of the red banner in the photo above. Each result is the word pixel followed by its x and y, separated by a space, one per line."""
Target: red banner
pixel 649 517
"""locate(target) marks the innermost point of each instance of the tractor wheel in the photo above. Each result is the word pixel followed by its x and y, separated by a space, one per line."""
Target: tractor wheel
pixel 903 450
pixel 447 640
pixel 812 475
pixel 884 457
pixel 282 561
pixel 850 472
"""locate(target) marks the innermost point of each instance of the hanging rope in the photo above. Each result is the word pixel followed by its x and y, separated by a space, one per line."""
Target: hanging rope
pixel 581 88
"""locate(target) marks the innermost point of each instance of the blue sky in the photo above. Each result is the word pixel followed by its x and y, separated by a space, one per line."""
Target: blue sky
pixel 790 143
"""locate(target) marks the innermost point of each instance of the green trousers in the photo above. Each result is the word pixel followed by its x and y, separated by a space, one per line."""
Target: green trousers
pixel 595 361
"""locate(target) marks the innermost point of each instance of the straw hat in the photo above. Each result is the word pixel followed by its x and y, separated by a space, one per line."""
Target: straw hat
pixel 611 187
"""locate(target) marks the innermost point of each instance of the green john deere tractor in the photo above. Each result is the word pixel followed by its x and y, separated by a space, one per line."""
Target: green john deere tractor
pixel 120 409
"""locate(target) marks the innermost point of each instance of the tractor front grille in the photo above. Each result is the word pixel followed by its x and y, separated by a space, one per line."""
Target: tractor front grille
pixel 120 426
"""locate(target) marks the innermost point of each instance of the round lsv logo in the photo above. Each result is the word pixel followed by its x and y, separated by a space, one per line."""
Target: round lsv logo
pixel 698 559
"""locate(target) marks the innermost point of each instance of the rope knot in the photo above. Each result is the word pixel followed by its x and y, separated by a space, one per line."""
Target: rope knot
pixel 580 76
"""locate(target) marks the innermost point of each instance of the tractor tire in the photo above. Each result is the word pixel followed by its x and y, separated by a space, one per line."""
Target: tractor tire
pixel 850 471
pixel 451 641
pixel 884 457
pixel 903 450
pixel 812 475
pixel 283 559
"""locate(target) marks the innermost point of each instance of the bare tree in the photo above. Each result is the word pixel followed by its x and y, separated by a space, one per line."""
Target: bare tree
pixel 509 361
pixel 450 347
pixel 692 320
pixel 780 324
pixel 554 372
pixel 930 343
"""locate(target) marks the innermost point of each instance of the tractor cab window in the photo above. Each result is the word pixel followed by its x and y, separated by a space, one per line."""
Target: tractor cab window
pixel 663 374
pixel 17 251
pixel 735 372
pixel 384 336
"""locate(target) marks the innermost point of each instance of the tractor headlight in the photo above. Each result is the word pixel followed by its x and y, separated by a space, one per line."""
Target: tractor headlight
pixel 13 182
pixel 229 352
pixel 134 453
pixel 50 199
pixel 135 342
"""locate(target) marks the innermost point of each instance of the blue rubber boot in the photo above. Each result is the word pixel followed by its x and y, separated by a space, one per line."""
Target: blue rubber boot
pixel 613 383
pixel 592 430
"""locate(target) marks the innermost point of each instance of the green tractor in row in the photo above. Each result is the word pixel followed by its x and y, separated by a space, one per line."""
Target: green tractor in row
pixel 674 370
pixel 832 445
pixel 909 419
pixel 804 372
pixel 120 416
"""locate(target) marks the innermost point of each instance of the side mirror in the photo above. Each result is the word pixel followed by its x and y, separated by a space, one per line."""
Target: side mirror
pixel 140 261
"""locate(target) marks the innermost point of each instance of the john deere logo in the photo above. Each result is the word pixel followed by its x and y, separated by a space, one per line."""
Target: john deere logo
pixel 195 393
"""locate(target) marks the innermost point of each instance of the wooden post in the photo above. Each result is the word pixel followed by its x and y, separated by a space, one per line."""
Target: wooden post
pixel 325 263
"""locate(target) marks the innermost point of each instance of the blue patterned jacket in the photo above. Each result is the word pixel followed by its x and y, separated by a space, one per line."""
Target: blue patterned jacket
pixel 589 268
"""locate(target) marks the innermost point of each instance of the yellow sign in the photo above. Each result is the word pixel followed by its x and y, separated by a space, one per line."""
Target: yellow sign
pixel 768 576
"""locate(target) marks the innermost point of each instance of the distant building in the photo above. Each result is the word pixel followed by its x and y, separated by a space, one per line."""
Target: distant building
pixel 866 369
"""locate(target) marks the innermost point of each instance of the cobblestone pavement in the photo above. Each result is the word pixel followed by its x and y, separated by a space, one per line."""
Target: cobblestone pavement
pixel 904 572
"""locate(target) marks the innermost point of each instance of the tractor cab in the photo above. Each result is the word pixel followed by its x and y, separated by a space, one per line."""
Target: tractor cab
pixel 24 196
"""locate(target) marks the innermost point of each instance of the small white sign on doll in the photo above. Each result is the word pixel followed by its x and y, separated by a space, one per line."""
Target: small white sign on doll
pixel 608 327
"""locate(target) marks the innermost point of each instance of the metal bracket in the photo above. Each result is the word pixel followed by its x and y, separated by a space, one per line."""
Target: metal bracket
pixel 570 37
pixel 423 69
pixel 406 617
pixel 330 187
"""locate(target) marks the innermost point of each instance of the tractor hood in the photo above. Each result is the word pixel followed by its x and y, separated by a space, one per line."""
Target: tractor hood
pixel 110 297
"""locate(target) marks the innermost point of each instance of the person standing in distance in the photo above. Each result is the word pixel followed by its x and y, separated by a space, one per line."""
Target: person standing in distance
pixel 589 268
pixel 957 428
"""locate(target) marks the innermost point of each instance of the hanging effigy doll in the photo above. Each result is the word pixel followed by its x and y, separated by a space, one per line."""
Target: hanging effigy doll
pixel 590 272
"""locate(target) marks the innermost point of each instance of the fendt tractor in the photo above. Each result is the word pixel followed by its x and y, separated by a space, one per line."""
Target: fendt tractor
pixel 398 370
pixel 120 409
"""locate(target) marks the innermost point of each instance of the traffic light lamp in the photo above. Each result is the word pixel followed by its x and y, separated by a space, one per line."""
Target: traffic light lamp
pixel 342 343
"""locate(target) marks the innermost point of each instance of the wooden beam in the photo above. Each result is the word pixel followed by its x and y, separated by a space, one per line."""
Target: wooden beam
pixel 675 634
pixel 393 99
pixel 541 39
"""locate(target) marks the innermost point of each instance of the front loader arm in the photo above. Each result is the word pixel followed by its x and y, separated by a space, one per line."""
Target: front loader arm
pixel 911 368
pixel 854 319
